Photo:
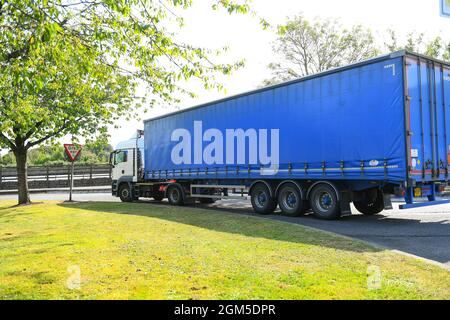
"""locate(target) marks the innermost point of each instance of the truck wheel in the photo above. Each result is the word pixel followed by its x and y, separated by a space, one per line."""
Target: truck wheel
pixel 371 204
pixel 175 195
pixel 262 201
pixel 158 196
pixel 290 201
pixel 324 202
pixel 125 193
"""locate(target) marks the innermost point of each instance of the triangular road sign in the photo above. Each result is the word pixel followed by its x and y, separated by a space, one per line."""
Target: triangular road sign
pixel 73 151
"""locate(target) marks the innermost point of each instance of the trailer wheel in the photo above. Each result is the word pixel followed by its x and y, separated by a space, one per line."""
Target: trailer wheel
pixel 371 204
pixel 324 202
pixel 175 195
pixel 262 201
pixel 125 193
pixel 290 201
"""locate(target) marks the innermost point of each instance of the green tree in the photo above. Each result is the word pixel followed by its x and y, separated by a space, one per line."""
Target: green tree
pixel 416 42
pixel 94 151
pixel 7 159
pixel 72 67
pixel 446 54
pixel 307 47
pixel 412 43
pixel 99 148
pixel 46 154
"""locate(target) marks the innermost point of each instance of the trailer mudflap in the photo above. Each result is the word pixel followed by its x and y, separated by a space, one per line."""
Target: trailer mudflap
pixel 345 203
pixel 387 202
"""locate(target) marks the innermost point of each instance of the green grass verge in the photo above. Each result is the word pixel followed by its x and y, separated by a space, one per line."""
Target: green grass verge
pixel 145 251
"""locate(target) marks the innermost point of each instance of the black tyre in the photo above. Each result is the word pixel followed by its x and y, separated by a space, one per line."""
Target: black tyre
pixel 158 196
pixel 206 200
pixel 324 202
pixel 290 201
pixel 125 193
pixel 262 201
pixel 370 203
pixel 175 195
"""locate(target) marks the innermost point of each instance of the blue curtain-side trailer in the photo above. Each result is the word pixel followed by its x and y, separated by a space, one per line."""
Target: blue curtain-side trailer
pixel 359 133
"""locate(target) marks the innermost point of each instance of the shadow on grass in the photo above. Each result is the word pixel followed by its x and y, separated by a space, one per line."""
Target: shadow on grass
pixel 227 222
pixel 18 206
pixel 417 236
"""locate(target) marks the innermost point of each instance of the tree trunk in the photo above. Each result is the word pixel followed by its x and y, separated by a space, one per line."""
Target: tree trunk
pixel 22 175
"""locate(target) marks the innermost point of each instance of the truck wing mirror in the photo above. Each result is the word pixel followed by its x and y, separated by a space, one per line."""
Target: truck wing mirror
pixel 111 158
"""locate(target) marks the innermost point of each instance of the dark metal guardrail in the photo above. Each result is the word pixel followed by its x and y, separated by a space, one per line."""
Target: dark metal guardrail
pixel 58 176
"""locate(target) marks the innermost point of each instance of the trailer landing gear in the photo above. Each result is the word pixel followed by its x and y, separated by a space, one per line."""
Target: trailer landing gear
pixel 158 196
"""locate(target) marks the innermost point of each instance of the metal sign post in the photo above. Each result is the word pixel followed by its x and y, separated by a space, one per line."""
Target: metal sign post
pixel 73 152
pixel 71 180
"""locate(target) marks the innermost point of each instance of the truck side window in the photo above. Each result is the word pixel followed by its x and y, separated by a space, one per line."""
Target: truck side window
pixel 121 157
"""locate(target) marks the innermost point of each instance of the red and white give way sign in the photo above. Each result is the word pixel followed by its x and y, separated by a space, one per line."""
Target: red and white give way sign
pixel 73 151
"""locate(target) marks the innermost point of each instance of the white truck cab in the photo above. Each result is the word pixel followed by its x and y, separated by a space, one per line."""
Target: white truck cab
pixel 127 166
pixel 122 161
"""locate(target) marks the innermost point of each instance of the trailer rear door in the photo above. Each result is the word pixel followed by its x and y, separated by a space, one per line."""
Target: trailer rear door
pixel 428 122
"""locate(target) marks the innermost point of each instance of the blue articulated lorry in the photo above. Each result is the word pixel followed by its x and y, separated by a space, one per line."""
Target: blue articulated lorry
pixel 359 133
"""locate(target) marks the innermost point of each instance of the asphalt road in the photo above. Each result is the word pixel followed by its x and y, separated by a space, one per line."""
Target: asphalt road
pixel 424 232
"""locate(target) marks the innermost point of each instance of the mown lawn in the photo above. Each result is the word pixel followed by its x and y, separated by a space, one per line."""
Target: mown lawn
pixel 54 250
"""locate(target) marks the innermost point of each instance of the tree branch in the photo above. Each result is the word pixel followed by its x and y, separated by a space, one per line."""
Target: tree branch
pixel 31 131
pixel 50 135
pixel 9 142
